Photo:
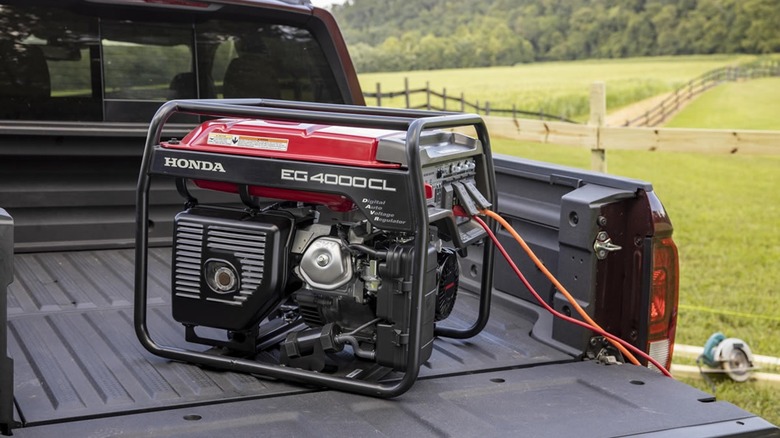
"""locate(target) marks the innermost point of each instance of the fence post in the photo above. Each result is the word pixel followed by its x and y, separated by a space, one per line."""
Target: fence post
pixel 462 103
pixel 476 106
pixel 406 92
pixel 378 94
pixel 444 99
pixel 428 95
pixel 598 112
pixel 487 108
pixel 514 111
pixel 663 115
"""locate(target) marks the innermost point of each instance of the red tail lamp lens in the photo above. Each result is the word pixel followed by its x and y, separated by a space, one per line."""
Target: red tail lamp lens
pixel 663 299
pixel 658 300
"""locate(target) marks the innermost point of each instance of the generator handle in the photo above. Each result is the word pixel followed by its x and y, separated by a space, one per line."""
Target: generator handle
pixel 412 121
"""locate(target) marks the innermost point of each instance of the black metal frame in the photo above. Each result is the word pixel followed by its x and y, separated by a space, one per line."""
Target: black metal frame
pixel 411 121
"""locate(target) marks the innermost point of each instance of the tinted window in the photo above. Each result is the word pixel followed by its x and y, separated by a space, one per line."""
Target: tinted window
pixel 59 65
pixel 142 61
pixel 263 60
pixel 46 65
pixel 144 65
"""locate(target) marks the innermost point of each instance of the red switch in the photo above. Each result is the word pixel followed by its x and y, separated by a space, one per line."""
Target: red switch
pixel 428 191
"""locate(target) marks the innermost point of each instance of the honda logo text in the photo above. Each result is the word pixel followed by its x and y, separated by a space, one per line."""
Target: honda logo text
pixel 182 163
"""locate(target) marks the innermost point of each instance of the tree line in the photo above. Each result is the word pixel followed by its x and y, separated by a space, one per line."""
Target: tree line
pixel 396 35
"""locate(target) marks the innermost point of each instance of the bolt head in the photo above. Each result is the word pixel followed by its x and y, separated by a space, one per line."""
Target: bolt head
pixel 323 260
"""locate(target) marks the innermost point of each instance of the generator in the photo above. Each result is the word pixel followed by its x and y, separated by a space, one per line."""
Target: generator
pixel 338 258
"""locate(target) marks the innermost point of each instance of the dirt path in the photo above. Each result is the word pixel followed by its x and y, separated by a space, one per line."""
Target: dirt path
pixel 620 116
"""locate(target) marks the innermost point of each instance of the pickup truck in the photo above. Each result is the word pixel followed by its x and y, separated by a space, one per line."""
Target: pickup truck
pixel 80 82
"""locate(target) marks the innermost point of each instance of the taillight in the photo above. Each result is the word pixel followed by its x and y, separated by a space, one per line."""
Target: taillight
pixel 663 301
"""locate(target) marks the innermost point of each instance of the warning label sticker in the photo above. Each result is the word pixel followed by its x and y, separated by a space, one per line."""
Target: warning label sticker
pixel 248 141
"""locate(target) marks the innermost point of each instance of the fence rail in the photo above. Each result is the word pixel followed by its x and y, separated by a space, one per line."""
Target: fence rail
pixel 599 138
pixel 712 141
pixel 636 134
pixel 671 104
pixel 452 103
pixel 442 101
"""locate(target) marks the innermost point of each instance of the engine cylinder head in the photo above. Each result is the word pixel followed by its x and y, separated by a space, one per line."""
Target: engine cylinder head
pixel 326 264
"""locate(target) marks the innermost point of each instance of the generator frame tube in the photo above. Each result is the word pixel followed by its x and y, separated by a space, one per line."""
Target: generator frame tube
pixel 414 122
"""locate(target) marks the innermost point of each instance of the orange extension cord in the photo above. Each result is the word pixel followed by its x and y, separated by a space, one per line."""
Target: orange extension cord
pixel 627 354
pixel 558 314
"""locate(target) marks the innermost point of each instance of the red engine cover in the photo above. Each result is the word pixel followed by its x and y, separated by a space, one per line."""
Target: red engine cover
pixel 289 141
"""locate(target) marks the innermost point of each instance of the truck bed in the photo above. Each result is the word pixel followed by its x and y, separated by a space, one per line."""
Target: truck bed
pixel 76 353
pixel 80 371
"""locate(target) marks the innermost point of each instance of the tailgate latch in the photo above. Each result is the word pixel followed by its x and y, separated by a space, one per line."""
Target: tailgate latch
pixel 603 245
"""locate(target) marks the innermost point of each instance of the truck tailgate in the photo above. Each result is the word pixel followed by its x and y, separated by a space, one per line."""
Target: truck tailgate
pixel 573 399
pixel 76 354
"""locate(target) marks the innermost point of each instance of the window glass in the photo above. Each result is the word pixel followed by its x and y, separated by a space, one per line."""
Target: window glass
pixel 69 69
pixel 147 62
pixel 144 65
pixel 45 68
pixel 263 60
pixel 93 64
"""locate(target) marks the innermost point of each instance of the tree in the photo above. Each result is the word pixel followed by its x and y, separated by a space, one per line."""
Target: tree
pixel 425 34
pixel 762 35
pixel 665 22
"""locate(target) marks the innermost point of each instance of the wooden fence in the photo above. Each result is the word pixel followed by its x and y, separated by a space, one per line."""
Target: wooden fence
pixel 657 115
pixel 452 103
pixel 636 134
pixel 442 101
pixel 599 138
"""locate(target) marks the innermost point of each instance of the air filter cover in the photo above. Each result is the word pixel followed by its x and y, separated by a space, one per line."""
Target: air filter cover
pixel 229 268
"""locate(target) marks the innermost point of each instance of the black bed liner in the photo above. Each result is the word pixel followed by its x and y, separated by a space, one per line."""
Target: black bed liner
pixel 580 399
pixel 76 353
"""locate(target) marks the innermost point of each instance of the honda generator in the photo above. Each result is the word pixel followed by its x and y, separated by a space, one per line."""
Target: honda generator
pixel 338 261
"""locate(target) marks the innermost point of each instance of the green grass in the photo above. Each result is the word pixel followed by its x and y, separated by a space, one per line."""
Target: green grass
pixel 558 88
pixel 725 210
pixel 759 399
pixel 752 104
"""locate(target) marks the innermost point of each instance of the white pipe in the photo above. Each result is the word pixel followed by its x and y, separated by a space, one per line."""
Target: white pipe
pixel 693 371
pixel 694 352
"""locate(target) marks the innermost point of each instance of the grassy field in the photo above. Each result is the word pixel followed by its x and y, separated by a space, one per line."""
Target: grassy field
pixel 752 104
pixel 558 88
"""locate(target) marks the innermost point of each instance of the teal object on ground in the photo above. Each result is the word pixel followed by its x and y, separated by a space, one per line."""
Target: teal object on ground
pixel 708 355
